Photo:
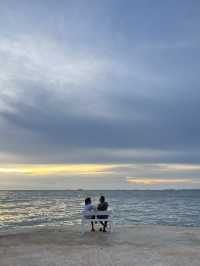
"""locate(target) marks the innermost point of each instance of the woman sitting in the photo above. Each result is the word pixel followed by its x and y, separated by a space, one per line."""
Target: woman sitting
pixel 89 207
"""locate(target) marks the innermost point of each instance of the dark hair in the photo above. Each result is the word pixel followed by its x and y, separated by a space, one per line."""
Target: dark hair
pixel 87 201
pixel 102 199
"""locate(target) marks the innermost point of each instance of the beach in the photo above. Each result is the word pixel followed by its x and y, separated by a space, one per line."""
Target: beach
pixel 134 245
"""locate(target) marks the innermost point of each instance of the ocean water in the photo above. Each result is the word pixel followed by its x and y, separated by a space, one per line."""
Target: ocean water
pixel 20 209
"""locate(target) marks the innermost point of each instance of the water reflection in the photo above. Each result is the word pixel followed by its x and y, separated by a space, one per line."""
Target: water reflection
pixel 39 208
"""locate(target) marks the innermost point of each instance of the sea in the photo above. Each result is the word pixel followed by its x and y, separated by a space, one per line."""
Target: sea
pixel 31 209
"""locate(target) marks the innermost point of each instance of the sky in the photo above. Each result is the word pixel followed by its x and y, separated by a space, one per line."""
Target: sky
pixel 99 94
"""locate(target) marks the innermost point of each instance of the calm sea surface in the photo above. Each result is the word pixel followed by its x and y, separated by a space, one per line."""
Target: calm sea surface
pixel 39 208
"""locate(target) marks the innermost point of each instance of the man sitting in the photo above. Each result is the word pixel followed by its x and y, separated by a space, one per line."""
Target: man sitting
pixel 102 206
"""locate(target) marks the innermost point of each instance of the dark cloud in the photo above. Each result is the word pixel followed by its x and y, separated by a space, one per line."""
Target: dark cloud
pixel 39 122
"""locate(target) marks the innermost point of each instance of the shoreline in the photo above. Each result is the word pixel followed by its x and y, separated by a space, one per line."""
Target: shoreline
pixel 133 245
pixel 77 228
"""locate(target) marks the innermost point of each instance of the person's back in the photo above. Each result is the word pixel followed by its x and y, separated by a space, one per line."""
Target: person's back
pixel 88 207
pixel 102 206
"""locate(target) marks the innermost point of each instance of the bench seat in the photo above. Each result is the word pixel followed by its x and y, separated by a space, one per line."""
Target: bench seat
pixel 94 216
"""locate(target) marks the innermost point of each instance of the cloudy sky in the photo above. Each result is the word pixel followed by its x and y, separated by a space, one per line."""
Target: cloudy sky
pixel 99 94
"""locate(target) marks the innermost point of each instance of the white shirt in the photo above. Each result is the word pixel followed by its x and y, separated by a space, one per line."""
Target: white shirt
pixel 89 207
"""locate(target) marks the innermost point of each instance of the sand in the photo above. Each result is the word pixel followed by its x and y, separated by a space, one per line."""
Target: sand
pixel 136 245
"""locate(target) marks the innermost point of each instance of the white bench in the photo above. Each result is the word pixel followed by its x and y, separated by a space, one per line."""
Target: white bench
pixel 92 216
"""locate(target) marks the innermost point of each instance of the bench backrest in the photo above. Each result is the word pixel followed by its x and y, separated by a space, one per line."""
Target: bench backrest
pixel 95 213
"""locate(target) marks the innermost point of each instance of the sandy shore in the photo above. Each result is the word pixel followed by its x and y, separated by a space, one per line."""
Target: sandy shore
pixel 137 245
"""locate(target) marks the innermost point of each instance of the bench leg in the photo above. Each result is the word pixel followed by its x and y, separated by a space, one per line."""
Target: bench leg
pixel 111 226
pixel 82 227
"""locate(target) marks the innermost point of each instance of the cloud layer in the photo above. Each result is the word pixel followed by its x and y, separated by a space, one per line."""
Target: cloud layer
pixel 99 83
pixel 53 100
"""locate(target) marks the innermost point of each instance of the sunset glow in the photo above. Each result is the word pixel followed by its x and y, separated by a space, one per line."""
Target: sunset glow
pixel 56 169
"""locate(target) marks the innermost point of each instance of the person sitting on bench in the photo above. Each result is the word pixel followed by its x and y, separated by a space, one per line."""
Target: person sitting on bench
pixel 89 207
pixel 102 206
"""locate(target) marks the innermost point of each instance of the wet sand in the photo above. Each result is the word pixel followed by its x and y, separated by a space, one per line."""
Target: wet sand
pixel 137 245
